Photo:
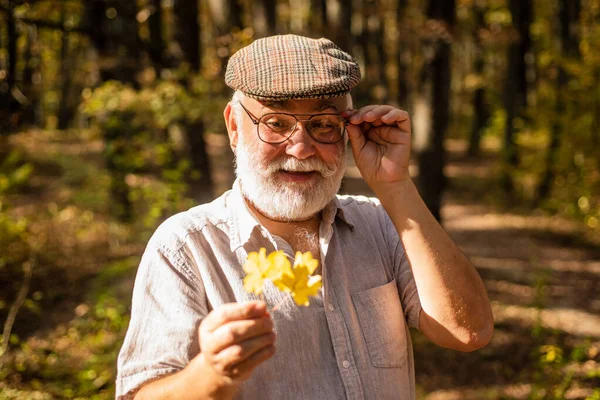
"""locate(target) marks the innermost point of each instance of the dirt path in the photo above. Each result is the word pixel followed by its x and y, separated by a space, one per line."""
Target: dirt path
pixel 542 274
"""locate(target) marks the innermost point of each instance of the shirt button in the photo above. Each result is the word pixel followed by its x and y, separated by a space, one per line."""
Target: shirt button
pixel 331 307
pixel 346 364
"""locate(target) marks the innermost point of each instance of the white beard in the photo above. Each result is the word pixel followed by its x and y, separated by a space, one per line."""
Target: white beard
pixel 281 200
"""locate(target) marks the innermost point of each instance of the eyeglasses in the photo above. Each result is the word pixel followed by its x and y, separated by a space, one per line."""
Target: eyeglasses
pixel 275 128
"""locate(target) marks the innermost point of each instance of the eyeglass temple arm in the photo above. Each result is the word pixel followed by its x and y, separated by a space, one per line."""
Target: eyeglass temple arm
pixel 253 118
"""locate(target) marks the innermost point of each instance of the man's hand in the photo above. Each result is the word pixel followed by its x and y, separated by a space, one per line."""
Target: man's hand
pixel 380 140
pixel 235 338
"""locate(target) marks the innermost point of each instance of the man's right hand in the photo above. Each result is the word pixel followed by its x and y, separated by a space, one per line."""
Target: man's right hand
pixel 235 338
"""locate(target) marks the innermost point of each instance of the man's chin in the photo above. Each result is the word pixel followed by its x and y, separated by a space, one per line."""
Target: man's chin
pixel 291 204
pixel 289 201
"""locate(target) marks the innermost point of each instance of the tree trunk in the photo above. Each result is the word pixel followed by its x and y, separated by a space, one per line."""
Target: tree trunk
pixel 596 124
pixel 568 14
pixel 377 28
pixel 200 181
pixel 227 16
pixel 115 150
pixel 31 79
pixel 265 17
pixel 479 104
pixel 235 14
pixel 318 20
pixel 65 112
pixel 187 32
pixel 433 106
pixel 156 47
pixel 187 35
pixel 8 105
pixel 366 41
pixel 3 89
pixel 509 150
pixel 403 54
pixel 522 14
pixel 339 21
pixel 515 95
pixel 117 46
pixel 11 77
pixel 115 39
pixel 547 180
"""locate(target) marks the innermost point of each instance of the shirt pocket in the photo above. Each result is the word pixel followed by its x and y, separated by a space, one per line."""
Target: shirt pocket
pixel 383 326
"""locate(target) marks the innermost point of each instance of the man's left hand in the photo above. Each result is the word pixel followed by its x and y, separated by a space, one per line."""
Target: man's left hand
pixel 380 140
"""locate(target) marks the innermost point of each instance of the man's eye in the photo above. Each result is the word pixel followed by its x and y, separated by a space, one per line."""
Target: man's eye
pixel 276 124
pixel 323 125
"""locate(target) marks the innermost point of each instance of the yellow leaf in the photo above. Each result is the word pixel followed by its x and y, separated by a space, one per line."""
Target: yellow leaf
pixel 279 265
pixel 296 280
pixel 257 267
pixel 305 289
pixel 307 260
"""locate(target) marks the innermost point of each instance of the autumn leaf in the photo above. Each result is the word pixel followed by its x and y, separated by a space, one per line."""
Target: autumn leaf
pixel 296 280
pixel 257 268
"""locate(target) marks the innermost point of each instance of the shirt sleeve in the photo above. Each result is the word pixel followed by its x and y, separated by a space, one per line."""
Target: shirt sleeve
pixel 167 307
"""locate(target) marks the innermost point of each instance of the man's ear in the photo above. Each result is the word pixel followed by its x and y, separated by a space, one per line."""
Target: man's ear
pixel 231 124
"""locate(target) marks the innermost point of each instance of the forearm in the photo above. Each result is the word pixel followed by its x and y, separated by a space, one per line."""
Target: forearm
pixel 195 382
pixel 453 297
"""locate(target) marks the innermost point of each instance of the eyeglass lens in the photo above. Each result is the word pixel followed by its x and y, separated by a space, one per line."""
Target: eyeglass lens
pixel 276 128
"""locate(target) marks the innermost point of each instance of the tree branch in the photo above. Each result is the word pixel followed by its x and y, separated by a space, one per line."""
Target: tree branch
pixel 14 309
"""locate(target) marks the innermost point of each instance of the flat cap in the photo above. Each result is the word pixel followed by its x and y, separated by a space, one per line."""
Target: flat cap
pixel 287 67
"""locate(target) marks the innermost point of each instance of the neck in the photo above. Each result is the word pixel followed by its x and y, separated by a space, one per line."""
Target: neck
pixel 283 228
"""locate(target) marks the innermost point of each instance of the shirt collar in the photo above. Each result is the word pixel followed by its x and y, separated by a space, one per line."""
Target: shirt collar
pixel 243 221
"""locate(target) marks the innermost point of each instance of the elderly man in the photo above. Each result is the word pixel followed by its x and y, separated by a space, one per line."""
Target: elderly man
pixel 195 333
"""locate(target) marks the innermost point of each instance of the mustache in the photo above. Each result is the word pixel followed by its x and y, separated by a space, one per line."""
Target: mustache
pixel 308 165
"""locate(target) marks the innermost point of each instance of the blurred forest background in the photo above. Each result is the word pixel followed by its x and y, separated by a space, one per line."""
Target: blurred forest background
pixel 111 120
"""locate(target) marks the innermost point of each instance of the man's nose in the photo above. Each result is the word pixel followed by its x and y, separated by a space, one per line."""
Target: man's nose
pixel 300 145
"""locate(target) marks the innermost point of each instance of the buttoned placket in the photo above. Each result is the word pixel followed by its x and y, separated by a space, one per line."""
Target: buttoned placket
pixel 338 331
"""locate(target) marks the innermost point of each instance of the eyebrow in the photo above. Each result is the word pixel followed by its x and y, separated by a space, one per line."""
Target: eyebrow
pixel 284 105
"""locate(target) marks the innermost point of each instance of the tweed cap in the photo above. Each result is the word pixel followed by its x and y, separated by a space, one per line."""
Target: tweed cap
pixel 287 67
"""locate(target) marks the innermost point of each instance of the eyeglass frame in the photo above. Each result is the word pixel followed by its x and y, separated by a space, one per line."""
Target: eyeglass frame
pixel 256 121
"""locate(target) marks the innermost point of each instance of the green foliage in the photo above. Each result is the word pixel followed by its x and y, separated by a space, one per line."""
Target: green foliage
pixel 155 107
pixel 76 360
pixel 595 396
pixel 144 132
pixel 556 370
pixel 14 174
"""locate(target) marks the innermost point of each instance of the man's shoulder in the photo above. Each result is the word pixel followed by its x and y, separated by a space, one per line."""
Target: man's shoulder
pixel 173 232
pixel 358 208
pixel 359 203
pixel 358 200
